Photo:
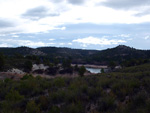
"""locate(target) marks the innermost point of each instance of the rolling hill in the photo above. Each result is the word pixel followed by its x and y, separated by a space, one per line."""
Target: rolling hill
pixel 118 54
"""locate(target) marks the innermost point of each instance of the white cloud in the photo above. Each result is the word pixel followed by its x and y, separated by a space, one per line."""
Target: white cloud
pixel 61 44
pixel 4 45
pixel 29 43
pixel 2 35
pixel 16 36
pixel 63 28
pixel 69 43
pixel 84 45
pixel 124 35
pixel 98 41
pixel 31 37
pixel 147 37
pixel 51 39
pixel 130 39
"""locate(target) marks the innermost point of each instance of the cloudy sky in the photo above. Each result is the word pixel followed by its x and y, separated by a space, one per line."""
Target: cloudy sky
pixel 84 24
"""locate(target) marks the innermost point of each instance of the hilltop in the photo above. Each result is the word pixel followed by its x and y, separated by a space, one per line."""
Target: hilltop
pixel 120 54
pixel 21 50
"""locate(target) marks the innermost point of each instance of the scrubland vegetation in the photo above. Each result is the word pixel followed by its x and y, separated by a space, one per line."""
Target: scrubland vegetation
pixel 125 91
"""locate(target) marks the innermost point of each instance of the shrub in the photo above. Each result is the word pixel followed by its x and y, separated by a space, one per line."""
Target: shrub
pixel 52 70
pixel 59 82
pixel 43 102
pixel 2 62
pixel 14 95
pixel 66 70
pixel 39 71
pixel 106 104
pixel 139 100
pixel 58 96
pixel 7 80
pixel 94 93
pixel 25 77
pixel 73 108
pixel 82 70
pixel 54 109
pixel 32 107
pixel 28 66
pixel 30 87
pixel 12 103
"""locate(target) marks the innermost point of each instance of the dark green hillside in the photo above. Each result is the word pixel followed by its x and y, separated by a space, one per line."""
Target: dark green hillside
pixel 77 55
pixel 126 91
pixel 120 54
pixel 67 52
pixel 135 69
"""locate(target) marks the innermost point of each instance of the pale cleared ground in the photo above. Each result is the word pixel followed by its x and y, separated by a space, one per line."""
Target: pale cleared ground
pixel 10 75
pixel 17 74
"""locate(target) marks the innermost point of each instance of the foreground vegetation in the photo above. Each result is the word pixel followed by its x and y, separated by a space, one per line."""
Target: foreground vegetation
pixel 126 91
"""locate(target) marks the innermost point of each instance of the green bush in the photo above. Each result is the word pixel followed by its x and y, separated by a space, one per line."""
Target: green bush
pixel 12 102
pixel 27 77
pixel 106 104
pixel 32 107
pixel 30 87
pixel 2 61
pixel 59 82
pixel 14 95
pixel 82 70
pixel 58 96
pixel 54 109
pixel 73 108
pixel 28 66
pixel 94 93
pixel 43 102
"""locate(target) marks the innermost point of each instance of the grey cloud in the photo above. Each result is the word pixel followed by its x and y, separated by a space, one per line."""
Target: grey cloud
pixel 9 26
pixel 38 13
pixel 76 2
pixel 10 31
pixel 125 4
pixel 4 23
pixel 56 1
pixel 144 13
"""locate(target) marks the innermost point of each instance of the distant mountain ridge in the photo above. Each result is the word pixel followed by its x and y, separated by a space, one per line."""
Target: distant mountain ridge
pixel 118 54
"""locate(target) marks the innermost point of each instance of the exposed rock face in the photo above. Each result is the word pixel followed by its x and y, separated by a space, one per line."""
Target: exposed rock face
pixel 16 71
pixel 40 66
